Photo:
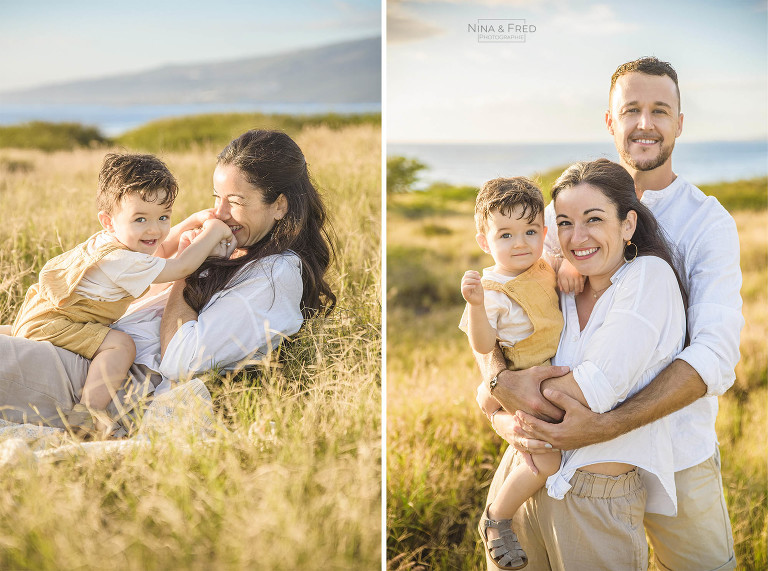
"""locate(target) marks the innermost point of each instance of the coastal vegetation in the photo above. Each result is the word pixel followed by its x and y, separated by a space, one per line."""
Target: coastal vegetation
pixel 291 479
pixel 441 452
pixel 172 134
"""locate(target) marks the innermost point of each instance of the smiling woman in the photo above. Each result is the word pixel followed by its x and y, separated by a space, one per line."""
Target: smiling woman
pixel 591 510
pixel 270 250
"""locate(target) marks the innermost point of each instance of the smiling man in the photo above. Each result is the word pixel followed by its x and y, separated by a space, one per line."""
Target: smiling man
pixel 645 119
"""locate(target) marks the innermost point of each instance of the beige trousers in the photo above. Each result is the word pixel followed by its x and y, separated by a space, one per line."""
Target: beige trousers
pixel 39 381
pixel 597 526
pixel 700 537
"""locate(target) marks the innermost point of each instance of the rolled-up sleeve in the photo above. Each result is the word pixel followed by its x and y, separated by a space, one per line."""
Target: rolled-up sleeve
pixel 645 320
pixel 714 307
pixel 240 323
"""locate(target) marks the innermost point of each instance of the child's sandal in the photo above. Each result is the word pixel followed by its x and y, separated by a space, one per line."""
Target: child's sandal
pixel 505 550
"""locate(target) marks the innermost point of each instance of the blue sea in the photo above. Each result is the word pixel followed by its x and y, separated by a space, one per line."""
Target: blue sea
pixel 473 164
pixel 115 120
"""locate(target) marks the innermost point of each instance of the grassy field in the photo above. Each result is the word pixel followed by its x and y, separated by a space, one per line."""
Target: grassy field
pixel 292 480
pixel 441 452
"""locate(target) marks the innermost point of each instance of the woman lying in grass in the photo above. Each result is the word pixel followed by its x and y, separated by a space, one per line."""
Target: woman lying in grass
pixel 226 312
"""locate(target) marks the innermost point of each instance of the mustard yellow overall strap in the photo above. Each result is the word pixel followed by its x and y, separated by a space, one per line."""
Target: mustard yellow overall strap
pixel 60 276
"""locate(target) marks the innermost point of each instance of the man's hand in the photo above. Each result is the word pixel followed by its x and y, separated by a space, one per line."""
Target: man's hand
pixel 521 390
pixel 580 426
pixel 569 279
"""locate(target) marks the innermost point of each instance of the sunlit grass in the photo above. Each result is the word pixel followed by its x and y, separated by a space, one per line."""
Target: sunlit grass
pixel 441 453
pixel 291 479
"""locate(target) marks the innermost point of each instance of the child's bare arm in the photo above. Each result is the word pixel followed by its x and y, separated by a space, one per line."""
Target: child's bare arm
pixel 213 233
pixel 486 401
pixel 569 279
pixel 482 337
pixel 171 243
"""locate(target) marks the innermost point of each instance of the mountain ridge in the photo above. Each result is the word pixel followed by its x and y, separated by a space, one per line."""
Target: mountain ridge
pixel 345 72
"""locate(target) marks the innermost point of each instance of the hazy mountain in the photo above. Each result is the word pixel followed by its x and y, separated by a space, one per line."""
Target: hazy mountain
pixel 348 72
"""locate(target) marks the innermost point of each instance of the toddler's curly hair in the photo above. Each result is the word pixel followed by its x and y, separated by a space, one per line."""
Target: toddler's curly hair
pixel 504 195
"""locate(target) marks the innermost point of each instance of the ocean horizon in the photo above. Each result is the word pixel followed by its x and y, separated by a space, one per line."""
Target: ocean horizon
pixel 473 164
pixel 114 120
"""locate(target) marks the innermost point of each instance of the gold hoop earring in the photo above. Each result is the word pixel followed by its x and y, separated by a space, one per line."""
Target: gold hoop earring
pixel 627 245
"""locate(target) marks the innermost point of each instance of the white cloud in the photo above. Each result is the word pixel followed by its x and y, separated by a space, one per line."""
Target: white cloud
pixel 404 26
pixel 596 20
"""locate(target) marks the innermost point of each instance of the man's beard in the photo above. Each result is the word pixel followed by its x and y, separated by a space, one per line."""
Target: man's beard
pixel 648 164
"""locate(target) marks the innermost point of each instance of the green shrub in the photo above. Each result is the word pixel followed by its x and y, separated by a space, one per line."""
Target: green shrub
pixel 751 194
pixel 218 129
pixel 418 279
pixel 402 173
pixel 51 136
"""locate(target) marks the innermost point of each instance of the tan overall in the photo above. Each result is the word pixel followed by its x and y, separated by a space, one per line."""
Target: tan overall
pixel 534 290
pixel 53 312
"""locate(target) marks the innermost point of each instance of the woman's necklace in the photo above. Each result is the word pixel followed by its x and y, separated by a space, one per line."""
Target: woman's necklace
pixel 598 292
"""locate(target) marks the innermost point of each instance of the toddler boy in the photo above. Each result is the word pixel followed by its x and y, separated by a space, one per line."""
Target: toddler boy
pixel 82 291
pixel 516 303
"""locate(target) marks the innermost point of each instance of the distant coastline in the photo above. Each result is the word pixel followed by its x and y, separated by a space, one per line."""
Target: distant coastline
pixel 473 164
pixel 114 120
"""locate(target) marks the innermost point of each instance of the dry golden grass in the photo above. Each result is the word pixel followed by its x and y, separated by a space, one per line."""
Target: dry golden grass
pixel 292 479
pixel 441 453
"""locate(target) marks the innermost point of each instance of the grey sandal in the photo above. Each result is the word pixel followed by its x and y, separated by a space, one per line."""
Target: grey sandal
pixel 505 550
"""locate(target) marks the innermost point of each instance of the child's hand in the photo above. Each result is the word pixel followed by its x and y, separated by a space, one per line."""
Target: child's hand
pixel 568 279
pixel 471 288
pixel 218 228
pixel 186 239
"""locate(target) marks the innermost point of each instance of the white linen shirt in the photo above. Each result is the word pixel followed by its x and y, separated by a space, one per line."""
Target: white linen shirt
pixel 239 324
pixel 707 243
pixel 510 322
pixel 622 348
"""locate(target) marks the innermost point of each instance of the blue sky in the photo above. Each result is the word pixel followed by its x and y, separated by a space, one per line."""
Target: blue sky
pixel 45 41
pixel 445 86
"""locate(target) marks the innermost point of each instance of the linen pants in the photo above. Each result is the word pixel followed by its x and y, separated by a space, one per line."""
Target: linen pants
pixel 39 382
pixel 598 525
pixel 700 537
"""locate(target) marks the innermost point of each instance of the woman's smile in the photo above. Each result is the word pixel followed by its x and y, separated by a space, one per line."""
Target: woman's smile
pixel 584 254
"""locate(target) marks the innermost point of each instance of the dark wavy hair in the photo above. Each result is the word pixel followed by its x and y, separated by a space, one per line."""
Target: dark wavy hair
pixel 618 187
pixel 274 164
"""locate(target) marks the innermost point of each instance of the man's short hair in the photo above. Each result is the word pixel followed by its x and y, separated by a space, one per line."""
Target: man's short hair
pixel 648 65
pixel 504 195
pixel 145 175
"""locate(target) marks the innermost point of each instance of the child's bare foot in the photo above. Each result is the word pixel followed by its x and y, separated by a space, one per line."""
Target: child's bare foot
pixel 501 542
pixel 89 423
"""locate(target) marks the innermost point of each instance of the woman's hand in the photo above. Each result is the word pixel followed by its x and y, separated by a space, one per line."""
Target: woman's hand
pixel 224 248
pixel 508 426
pixel 569 279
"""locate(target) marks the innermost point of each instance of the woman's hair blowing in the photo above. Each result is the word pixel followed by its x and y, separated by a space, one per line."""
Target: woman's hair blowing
pixel 274 164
